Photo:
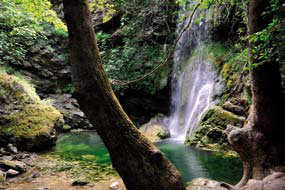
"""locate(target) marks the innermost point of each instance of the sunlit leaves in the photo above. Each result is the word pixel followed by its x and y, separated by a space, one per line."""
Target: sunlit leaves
pixel 22 25
pixel 39 10
pixel 264 46
pixel 106 6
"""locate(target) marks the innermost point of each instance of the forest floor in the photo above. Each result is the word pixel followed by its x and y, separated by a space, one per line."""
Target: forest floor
pixel 51 174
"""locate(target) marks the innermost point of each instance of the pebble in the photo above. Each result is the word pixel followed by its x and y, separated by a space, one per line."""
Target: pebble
pixel 115 186
pixel 12 149
pixel 12 173
pixel 42 188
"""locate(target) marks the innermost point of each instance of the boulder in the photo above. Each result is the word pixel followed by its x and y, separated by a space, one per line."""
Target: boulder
pixel 15 165
pixel 115 185
pixel 220 118
pixel 12 173
pixel 274 181
pixel 25 120
pixel 33 128
pixel 69 108
pixel 206 184
pixel 211 132
pixel 12 149
pixel 155 130
pixel 237 109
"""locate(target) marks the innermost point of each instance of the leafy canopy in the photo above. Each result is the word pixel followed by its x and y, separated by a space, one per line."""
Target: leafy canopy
pixel 22 24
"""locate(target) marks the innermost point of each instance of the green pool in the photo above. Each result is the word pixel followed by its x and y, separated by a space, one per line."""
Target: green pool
pixel 191 163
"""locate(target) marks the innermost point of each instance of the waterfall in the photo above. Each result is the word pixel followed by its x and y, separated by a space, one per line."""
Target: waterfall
pixel 193 79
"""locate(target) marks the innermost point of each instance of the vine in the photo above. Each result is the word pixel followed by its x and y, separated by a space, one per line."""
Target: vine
pixel 166 60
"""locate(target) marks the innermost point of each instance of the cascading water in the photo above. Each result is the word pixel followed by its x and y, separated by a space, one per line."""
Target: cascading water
pixel 193 80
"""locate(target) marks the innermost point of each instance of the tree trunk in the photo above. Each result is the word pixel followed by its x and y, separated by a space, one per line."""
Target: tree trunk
pixel 140 164
pixel 260 142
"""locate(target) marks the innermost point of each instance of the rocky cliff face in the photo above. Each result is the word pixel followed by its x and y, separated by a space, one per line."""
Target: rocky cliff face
pixel 47 64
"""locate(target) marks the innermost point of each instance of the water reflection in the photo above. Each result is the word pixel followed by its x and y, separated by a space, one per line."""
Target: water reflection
pixel 185 159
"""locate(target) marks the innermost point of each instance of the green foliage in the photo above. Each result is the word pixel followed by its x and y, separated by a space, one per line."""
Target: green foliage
pixel 68 89
pixel 127 62
pixel 209 3
pixel 105 6
pixel 60 32
pixel 205 4
pixel 102 40
pixel 231 61
pixel 139 44
pixel 38 11
pixel 264 45
pixel 22 26
pixel 228 59
pixel 7 69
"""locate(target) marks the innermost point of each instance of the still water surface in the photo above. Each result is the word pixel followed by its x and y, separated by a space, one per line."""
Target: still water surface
pixel 191 162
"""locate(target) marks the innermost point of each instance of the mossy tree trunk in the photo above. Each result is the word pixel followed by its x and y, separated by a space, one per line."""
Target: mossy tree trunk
pixel 140 164
pixel 260 142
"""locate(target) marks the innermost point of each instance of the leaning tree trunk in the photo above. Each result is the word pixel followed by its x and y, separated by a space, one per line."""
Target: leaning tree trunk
pixel 140 164
pixel 260 142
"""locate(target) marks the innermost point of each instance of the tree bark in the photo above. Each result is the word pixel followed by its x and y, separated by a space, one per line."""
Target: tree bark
pixel 140 164
pixel 260 142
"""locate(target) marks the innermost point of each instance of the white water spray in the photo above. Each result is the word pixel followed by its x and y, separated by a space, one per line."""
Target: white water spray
pixel 193 81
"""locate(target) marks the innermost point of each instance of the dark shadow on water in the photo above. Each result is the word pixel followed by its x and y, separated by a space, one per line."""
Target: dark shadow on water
pixel 191 162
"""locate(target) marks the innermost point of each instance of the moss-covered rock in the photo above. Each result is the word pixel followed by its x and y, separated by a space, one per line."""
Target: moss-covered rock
pixel 33 128
pixel 210 132
pixel 16 91
pixel 220 118
pixel 25 120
